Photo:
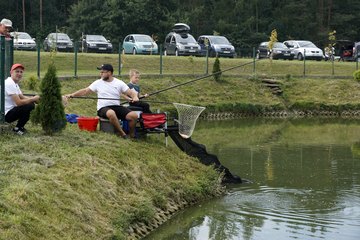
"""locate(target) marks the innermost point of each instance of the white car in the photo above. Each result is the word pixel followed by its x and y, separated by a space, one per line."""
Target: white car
pixel 23 41
pixel 303 48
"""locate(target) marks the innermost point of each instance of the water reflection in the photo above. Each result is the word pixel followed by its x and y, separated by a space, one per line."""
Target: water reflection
pixel 305 182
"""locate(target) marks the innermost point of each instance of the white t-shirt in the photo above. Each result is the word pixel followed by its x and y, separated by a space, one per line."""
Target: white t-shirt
pixel 106 89
pixel 11 88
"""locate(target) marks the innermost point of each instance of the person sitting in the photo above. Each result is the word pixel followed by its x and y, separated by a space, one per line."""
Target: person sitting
pixel 109 89
pixel 17 106
pixel 133 85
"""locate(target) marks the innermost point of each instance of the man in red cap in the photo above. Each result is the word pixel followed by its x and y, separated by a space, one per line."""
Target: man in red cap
pixel 17 106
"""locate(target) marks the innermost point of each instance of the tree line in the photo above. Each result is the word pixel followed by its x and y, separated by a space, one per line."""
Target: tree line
pixel 245 23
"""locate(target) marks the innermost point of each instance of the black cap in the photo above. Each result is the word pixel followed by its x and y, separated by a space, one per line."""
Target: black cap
pixel 106 67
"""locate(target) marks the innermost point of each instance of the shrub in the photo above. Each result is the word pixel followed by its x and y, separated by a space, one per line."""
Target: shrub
pixel 32 83
pixel 356 75
pixel 50 111
pixel 217 70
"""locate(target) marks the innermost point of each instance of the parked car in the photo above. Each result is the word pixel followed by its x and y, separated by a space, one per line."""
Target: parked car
pixel 140 44
pixel 279 51
pixel 307 48
pixel 180 42
pixel 216 45
pixel 96 43
pixel 23 41
pixel 58 41
pixel 356 51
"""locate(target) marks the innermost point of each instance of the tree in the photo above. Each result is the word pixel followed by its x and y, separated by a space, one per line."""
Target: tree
pixel 217 70
pixel 50 111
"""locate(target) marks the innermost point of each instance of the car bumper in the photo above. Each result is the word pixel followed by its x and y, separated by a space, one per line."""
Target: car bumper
pixel 25 47
pixel 283 56
pixel 189 53
pixel 99 49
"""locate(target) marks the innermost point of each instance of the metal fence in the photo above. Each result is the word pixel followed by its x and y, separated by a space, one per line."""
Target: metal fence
pixel 6 61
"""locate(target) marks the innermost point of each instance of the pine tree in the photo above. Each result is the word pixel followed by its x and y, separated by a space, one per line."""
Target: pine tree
pixel 50 111
pixel 216 70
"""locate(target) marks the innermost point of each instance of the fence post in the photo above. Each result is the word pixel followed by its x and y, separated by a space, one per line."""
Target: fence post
pixel 120 65
pixel 357 63
pixel 207 60
pixel 2 78
pixel 304 62
pixel 254 58
pixel 75 63
pixel 38 59
pixel 161 61
pixel 332 63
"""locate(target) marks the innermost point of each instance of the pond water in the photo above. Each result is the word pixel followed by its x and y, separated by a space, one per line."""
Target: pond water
pixel 305 182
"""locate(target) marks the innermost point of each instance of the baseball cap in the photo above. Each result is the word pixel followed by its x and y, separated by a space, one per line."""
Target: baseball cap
pixel 6 22
pixel 17 65
pixel 106 67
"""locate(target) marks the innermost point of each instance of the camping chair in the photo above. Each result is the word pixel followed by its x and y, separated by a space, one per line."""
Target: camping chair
pixel 154 123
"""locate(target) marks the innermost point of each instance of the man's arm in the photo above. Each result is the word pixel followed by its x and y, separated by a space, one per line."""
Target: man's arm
pixel 133 95
pixel 20 100
pixel 81 92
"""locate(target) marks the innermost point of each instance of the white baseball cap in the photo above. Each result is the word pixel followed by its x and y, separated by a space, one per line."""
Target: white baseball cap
pixel 6 22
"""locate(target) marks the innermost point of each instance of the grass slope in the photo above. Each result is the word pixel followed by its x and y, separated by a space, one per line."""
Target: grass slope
pixel 82 185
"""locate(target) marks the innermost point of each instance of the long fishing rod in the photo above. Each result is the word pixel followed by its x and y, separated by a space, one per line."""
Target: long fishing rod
pixel 199 78
pixel 102 98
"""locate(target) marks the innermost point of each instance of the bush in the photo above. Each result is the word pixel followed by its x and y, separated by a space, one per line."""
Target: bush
pixel 50 111
pixel 356 75
pixel 217 70
pixel 32 83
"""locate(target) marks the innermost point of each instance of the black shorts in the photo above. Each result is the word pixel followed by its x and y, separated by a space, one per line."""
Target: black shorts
pixel 120 111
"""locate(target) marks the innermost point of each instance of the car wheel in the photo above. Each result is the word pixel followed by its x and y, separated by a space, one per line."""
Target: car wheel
pixel 300 57
pixel 134 51
pixel 176 52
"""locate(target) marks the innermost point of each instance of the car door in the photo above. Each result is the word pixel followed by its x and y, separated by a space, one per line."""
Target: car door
pixel 172 45
pixel 127 44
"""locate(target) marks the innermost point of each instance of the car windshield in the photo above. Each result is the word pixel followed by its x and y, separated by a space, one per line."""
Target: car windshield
pixel 22 36
pixel 143 38
pixel 279 45
pixel 219 40
pixel 185 38
pixel 96 38
pixel 61 36
pixel 306 44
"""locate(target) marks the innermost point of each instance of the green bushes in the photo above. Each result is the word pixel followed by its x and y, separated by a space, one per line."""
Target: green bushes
pixel 356 75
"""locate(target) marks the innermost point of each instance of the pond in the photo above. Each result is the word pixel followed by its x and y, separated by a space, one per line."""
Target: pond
pixel 305 182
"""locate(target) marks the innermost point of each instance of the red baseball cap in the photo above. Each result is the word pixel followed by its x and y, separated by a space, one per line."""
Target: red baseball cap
pixel 17 65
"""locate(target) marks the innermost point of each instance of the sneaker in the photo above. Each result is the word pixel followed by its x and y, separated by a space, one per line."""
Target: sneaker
pixel 18 131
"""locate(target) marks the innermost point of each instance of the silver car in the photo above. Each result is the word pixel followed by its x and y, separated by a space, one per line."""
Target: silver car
pixel 23 41
pixel 303 48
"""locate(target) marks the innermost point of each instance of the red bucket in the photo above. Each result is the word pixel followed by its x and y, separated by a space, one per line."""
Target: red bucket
pixel 88 123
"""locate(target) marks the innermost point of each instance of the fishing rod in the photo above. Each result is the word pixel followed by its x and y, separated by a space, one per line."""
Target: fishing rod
pixel 102 98
pixel 199 78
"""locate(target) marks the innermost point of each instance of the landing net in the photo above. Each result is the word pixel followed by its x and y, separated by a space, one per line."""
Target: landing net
pixel 187 116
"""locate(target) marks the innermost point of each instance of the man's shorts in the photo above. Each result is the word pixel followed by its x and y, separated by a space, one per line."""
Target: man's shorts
pixel 120 111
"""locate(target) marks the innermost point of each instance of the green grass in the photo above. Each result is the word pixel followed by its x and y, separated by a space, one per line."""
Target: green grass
pixel 87 62
pixel 82 185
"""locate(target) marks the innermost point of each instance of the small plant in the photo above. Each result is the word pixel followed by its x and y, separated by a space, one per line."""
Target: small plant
pixel 356 75
pixel 32 83
pixel 288 77
pixel 273 40
pixel 50 111
pixel 217 70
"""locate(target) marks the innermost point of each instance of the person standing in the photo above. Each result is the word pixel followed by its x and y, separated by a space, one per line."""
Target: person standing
pixel 17 106
pixel 109 90
pixel 5 27
pixel 134 85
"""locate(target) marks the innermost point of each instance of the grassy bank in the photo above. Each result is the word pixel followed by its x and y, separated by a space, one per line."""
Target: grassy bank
pixel 81 185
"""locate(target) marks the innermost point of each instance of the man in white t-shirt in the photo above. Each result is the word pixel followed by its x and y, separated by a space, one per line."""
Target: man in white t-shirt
pixel 17 106
pixel 109 90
